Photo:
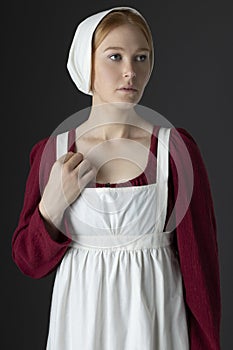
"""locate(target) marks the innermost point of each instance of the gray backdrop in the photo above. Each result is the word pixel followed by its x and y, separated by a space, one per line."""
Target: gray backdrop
pixel 191 86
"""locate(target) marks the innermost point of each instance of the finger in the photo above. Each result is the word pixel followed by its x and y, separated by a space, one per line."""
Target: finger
pixel 83 167
pixel 74 160
pixel 87 178
pixel 65 157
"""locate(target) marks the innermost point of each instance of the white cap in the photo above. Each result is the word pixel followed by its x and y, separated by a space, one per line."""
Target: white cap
pixel 79 62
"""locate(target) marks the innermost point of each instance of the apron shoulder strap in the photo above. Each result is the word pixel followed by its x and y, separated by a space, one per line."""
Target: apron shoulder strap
pixel 162 177
pixel 61 144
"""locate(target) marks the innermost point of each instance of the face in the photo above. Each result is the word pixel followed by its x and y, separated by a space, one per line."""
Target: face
pixel 121 66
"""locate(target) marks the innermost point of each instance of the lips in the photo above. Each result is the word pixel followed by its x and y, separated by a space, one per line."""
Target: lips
pixel 128 88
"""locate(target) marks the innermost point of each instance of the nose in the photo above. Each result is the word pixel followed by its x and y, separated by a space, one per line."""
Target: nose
pixel 128 71
pixel 129 74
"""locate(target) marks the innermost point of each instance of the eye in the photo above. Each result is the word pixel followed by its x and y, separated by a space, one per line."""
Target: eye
pixel 141 58
pixel 115 57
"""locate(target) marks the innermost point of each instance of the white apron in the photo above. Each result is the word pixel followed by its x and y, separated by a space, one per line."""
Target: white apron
pixel 119 286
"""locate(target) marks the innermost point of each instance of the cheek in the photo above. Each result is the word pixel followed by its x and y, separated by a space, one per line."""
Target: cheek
pixel 145 71
pixel 143 75
pixel 104 75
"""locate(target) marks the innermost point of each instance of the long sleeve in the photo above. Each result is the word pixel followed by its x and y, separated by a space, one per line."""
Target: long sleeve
pixel 196 238
pixel 33 250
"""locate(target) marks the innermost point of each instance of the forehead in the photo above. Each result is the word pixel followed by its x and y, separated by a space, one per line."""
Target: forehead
pixel 128 35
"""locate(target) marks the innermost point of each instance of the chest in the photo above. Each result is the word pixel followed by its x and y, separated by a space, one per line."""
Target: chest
pixel 116 160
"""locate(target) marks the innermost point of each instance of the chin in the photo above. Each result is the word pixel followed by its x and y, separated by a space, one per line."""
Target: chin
pixel 128 102
pixel 124 105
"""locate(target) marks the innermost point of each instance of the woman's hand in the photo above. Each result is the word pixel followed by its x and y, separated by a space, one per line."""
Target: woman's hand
pixel 69 175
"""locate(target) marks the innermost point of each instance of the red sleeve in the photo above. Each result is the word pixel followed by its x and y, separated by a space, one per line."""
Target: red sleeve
pixel 33 249
pixel 196 239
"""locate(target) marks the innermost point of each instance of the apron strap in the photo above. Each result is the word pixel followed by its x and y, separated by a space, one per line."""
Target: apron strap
pixel 162 178
pixel 61 144
pixel 163 154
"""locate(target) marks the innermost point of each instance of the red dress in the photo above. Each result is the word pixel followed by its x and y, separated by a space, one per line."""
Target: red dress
pixel 37 254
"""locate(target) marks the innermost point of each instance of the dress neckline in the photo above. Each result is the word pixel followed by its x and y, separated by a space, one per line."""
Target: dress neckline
pixel 141 178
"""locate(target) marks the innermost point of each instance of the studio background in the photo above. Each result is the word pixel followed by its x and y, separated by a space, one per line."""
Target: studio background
pixel 191 86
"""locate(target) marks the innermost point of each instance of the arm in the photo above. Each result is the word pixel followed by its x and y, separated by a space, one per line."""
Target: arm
pixel 37 247
pixel 197 247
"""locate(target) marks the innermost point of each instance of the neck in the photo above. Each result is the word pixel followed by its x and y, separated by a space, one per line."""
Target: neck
pixel 113 120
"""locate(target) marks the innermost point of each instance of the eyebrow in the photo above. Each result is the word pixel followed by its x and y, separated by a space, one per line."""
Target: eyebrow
pixel 121 48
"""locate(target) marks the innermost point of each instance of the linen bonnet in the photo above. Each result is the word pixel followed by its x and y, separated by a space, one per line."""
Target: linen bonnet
pixel 79 62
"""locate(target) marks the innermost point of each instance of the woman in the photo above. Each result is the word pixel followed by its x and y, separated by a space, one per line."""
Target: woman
pixel 132 238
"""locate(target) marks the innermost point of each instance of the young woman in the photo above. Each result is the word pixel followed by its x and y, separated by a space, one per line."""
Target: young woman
pixel 122 209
